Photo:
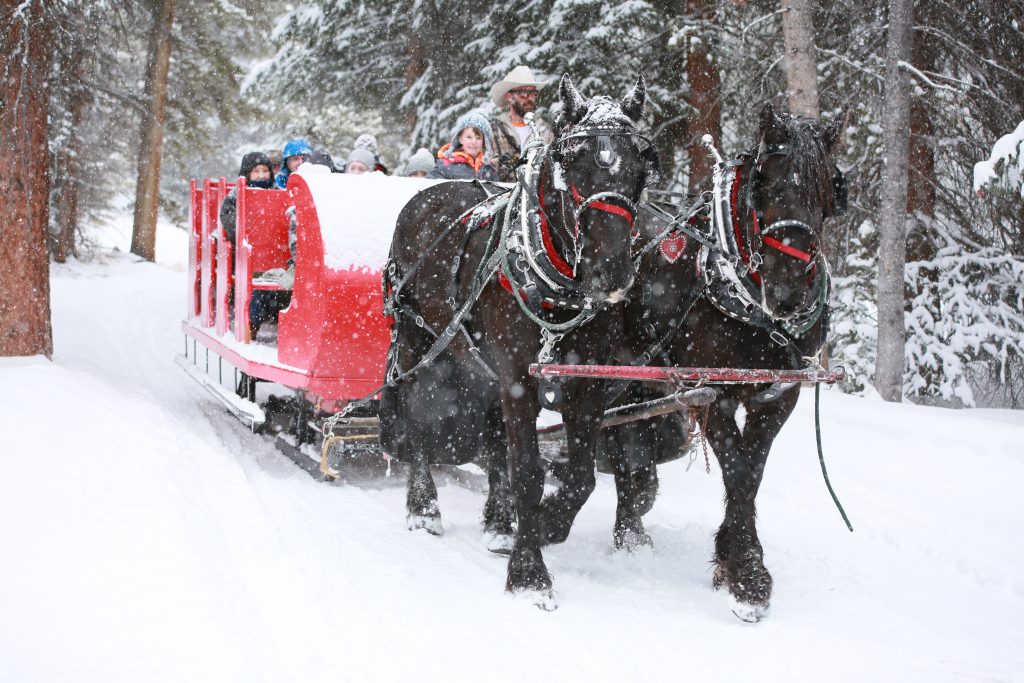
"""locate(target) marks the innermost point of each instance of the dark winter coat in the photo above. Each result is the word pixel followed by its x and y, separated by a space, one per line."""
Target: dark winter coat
pixel 458 165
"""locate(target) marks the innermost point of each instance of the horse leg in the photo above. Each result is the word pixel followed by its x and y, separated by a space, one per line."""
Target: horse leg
pixel 636 483
pixel 422 509
pixel 527 572
pixel 499 514
pixel 421 498
pixel 635 491
pixel 582 415
pixel 739 557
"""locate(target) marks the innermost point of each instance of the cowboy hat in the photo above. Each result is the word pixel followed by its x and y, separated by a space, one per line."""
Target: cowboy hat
pixel 516 78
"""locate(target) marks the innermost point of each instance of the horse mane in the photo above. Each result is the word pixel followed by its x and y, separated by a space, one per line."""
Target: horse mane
pixel 602 112
pixel 809 159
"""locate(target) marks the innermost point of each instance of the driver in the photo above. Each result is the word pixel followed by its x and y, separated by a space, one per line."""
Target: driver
pixel 516 95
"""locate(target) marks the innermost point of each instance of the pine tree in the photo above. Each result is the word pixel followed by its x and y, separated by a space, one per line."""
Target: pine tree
pixel 25 57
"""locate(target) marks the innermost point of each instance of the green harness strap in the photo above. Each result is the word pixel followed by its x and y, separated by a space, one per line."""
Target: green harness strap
pixel 821 457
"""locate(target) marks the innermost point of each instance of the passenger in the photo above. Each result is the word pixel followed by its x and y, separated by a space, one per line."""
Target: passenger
pixel 255 168
pixel 420 164
pixel 264 305
pixel 360 161
pixel 275 161
pixel 296 153
pixel 466 156
pixel 324 159
pixel 369 143
pixel 516 95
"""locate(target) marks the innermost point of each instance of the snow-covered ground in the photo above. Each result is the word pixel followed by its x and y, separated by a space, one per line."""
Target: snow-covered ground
pixel 146 536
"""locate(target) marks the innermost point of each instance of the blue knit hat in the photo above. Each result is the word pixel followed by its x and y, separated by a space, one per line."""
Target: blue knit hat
pixel 295 148
pixel 473 119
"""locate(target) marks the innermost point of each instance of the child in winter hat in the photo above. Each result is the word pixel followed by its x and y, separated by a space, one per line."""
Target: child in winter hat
pixel 466 156
pixel 296 152
pixel 473 119
pixel 420 164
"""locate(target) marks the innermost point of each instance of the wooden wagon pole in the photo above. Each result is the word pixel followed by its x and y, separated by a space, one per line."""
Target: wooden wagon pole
pixel 700 375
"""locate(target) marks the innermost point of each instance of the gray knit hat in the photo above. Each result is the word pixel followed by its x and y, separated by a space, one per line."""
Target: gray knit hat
pixel 422 160
pixel 368 142
pixel 361 155
pixel 473 119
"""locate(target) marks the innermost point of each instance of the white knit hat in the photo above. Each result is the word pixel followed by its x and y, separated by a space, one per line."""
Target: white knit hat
pixel 517 78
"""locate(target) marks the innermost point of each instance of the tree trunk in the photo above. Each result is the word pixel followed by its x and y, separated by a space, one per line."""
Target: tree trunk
pixel 415 67
pixel 25 56
pixel 921 175
pixel 801 65
pixel 670 121
pixel 147 190
pixel 67 180
pixel 893 219
pixel 705 98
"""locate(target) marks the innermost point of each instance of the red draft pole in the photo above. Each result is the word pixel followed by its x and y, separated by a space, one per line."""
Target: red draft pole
pixel 701 375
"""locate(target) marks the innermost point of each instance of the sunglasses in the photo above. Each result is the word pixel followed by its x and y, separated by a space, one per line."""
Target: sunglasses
pixel 524 93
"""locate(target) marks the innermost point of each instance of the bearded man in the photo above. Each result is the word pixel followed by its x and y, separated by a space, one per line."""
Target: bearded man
pixel 516 95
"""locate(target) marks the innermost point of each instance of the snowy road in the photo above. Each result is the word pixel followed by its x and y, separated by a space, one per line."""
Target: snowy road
pixel 147 537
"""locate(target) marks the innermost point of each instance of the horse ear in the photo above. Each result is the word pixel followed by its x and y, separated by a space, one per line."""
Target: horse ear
pixel 573 104
pixel 773 128
pixel 834 131
pixel 633 102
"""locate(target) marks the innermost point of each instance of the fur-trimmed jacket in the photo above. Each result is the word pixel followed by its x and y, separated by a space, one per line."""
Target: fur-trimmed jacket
pixel 458 165
pixel 507 149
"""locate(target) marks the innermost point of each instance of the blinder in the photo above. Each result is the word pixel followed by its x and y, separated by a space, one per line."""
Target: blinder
pixel 604 153
pixel 763 235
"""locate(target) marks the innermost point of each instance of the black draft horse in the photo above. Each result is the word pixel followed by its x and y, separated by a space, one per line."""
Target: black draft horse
pixel 562 243
pixel 771 312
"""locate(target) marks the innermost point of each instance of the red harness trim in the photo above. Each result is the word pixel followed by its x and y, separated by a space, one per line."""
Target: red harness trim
pixel 741 241
pixel 786 249
pixel 549 244
pixel 767 241
pixel 507 286
pixel 605 206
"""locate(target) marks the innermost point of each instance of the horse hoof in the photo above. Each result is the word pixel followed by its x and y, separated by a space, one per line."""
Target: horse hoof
pixel 432 525
pixel 500 544
pixel 747 612
pixel 526 572
pixel 543 599
pixel 631 540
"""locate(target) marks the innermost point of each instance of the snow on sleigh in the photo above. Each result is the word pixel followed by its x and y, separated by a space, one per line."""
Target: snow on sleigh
pixel 331 339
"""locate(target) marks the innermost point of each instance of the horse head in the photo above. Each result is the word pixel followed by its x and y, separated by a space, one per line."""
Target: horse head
pixel 599 165
pixel 790 192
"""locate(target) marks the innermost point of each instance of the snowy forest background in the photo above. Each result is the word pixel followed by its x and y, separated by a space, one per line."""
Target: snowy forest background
pixel 246 75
